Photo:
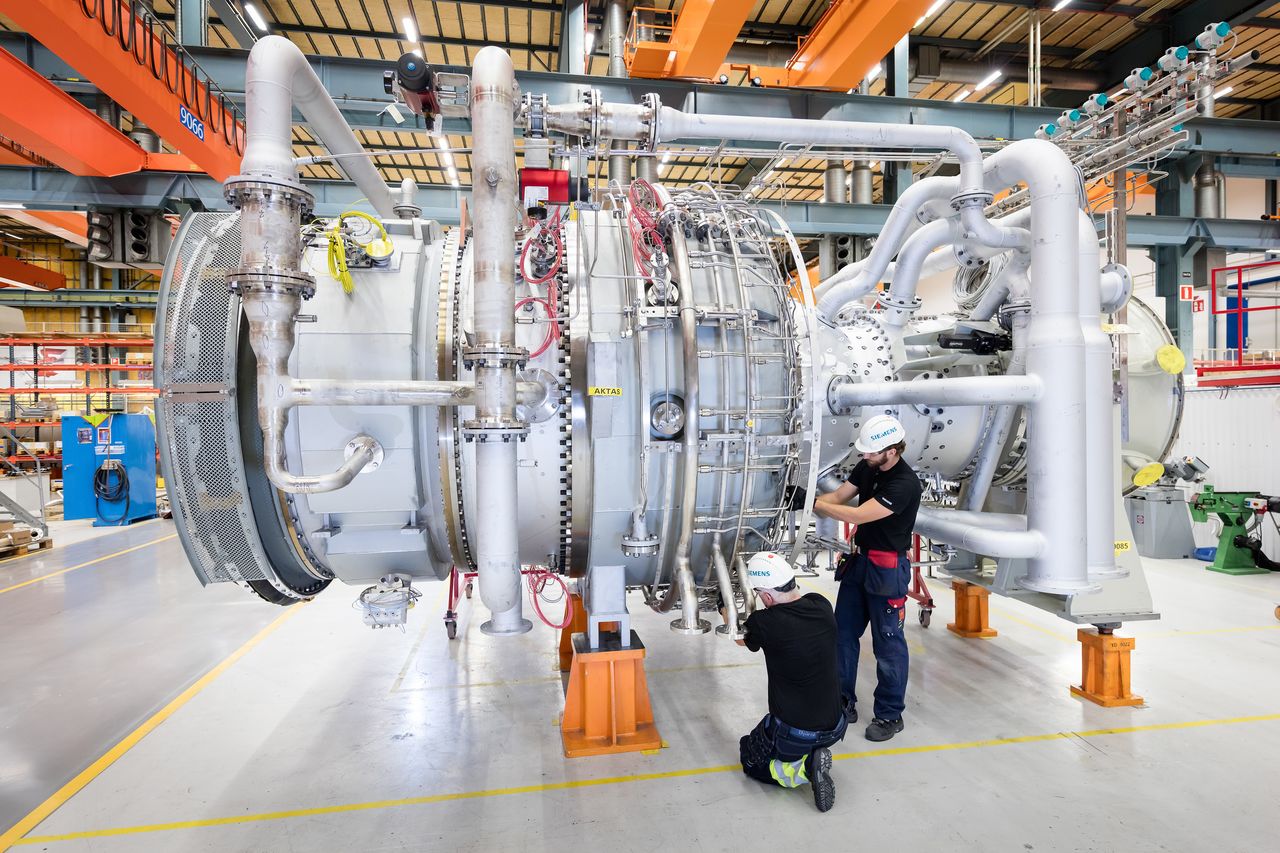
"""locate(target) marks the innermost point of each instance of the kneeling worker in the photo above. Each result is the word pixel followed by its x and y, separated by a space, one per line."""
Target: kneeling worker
pixel 874 579
pixel 798 636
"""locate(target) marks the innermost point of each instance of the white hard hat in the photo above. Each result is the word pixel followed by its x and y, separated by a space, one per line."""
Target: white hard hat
pixel 768 570
pixel 878 433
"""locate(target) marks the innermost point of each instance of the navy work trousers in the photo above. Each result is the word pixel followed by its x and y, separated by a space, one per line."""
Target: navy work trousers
pixel 773 739
pixel 871 594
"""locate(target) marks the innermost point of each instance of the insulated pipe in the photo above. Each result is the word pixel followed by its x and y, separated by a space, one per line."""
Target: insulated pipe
pixel 902 294
pixel 493 205
pixel 834 191
pixel 391 392
pixel 984 472
pixel 1100 470
pixel 725 583
pixel 969 391
pixel 407 206
pixel 674 124
pixel 615 12
pixel 989 533
pixel 277 79
pixel 1055 355
pixel 647 169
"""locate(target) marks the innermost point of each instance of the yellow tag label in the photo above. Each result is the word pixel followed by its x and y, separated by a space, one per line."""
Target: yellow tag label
pixel 1123 545
pixel 602 391
pixel 573 212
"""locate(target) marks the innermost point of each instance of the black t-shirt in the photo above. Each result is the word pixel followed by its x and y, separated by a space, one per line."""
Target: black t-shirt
pixel 799 642
pixel 897 490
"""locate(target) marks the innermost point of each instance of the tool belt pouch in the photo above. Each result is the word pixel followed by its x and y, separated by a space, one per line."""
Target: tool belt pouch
pixel 888 575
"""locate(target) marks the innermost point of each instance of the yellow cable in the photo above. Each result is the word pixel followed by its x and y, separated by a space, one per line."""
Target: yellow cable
pixel 338 250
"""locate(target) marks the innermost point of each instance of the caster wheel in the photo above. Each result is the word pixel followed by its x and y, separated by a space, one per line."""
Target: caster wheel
pixel 468 590
pixel 451 628
pixel 1278 611
pixel 925 617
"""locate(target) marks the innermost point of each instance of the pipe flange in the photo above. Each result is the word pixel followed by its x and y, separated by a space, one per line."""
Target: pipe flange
pixel 373 464
pixel 494 357
pixel 653 103
pixel 494 429
pixel 254 280
pixel 833 396
pixel 642 547
pixel 550 404
pixel 535 115
pixel 242 188
pixel 1010 309
pixel 967 259
pixel 973 198
pixel 889 301
pixel 1118 300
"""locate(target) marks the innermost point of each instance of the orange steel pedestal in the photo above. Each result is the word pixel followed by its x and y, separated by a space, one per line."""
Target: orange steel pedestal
pixel 971 611
pixel 1105 666
pixel 606 709
pixel 577 626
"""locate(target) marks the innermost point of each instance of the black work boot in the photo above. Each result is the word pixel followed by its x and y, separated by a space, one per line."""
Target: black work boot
pixel 850 711
pixel 881 730
pixel 817 767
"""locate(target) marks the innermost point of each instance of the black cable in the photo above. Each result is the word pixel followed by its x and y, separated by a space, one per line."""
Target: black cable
pixel 111 489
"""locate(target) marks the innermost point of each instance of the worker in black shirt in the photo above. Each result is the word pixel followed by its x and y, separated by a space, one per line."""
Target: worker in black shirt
pixel 874 579
pixel 798 636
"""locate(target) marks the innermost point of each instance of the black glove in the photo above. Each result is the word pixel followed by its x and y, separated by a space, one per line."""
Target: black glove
pixel 794 498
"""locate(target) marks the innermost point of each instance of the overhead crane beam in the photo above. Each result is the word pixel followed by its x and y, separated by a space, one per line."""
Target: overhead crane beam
pixel 847 42
pixel 697 42
pixel 128 55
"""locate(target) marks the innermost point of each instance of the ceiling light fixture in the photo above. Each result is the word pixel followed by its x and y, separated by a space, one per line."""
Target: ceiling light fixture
pixel 964 93
pixel 410 31
pixel 875 72
pixel 255 16
pixel 1224 91
pixel 930 12
pixel 988 80
pixel 1062 4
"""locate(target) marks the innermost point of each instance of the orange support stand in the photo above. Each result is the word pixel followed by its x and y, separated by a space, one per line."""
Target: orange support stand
pixel 971 611
pixel 606 709
pixel 1104 662
pixel 578 625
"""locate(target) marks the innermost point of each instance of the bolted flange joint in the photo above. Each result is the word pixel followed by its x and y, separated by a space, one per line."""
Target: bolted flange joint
pixel 251 280
pixel 973 198
pixel 241 189
pixel 494 429
pixel 653 104
pixel 645 547
pixel 833 396
pixel 494 357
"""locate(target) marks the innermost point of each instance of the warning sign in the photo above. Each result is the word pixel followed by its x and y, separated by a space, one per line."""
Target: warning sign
pixel 1186 293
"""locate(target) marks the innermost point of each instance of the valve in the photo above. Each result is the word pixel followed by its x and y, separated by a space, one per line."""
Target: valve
pixel 1095 104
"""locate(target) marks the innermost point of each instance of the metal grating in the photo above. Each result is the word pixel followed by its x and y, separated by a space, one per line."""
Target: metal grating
pixel 195 361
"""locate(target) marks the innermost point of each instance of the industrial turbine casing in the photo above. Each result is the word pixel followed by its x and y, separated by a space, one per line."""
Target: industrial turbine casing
pixel 606 448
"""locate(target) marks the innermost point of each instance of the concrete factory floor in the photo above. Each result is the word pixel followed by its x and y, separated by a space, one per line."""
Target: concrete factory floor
pixel 300 729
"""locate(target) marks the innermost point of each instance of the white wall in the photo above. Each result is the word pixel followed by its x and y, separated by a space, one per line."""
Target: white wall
pixel 1237 433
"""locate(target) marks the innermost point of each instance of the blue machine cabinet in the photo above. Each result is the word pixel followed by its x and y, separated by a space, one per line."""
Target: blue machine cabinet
pixel 109 469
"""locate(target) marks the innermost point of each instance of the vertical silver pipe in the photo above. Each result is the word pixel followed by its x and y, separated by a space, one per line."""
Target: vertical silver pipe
pixel 834 191
pixel 493 203
pixel 647 169
pixel 616 32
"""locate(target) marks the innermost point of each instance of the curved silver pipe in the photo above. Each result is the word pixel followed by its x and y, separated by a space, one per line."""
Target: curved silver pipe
pixel 989 533
pixel 277 79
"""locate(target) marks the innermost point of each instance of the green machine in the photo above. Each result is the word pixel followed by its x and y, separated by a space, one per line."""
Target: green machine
pixel 1240 514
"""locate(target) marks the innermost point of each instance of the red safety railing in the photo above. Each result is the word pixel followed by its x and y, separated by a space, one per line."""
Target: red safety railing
pixel 1239 280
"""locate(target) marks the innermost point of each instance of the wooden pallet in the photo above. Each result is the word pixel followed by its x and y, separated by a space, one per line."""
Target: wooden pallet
pixel 13 552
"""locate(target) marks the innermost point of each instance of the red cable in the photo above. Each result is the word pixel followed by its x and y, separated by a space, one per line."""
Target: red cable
pixel 553 331
pixel 551 226
pixel 538 580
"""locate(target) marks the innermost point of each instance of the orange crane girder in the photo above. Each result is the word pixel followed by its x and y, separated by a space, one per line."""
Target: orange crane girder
pixel 129 60
pixel 38 115
pixel 699 41
pixel 13 271
pixel 848 41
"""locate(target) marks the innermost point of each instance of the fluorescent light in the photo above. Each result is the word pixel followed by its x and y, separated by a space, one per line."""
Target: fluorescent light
pixel 416 53
pixel 410 31
pixel 11 205
pixel 255 16
pixel 874 73
pixel 964 93
pixel 1224 91
pixel 662 167
pixel 988 80
pixel 872 164
pixel 1061 4
pixel 445 155
pixel 932 10
pixel 454 182
pixel 589 42
pixel 666 158
pixel 7 234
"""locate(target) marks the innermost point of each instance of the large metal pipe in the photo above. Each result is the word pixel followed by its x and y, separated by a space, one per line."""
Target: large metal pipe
pixel 1102 461
pixel 968 391
pixel 277 79
pixel 615 20
pixel 982 532
pixel 493 203
pixel 834 191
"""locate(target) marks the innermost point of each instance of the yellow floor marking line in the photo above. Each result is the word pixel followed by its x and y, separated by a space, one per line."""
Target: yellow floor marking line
pixel 39 813
pixel 89 563
pixel 237 820
pixel 1018 620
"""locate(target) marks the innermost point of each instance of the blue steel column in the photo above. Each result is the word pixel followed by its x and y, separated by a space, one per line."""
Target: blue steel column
pixel 897 79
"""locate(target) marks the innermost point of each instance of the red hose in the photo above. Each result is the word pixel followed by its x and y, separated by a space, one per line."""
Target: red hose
pixel 553 328
pixel 538 580
pixel 551 226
